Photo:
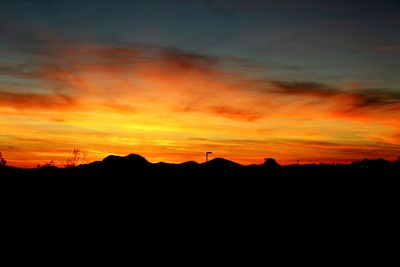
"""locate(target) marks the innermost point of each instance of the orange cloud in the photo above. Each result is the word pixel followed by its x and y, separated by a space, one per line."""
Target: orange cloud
pixel 235 113
pixel 36 101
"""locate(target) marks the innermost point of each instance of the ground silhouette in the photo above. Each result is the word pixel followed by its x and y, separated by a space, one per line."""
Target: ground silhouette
pixel 136 166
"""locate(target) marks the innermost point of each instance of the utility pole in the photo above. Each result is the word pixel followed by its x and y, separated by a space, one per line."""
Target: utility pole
pixel 208 153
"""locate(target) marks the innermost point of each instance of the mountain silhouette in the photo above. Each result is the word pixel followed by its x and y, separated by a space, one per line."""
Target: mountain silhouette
pixel 136 166
pixel 130 161
pixel 271 163
pixel 220 163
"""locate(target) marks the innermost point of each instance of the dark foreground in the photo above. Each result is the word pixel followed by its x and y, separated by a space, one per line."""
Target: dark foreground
pixel 135 166
pixel 132 190
pixel 204 204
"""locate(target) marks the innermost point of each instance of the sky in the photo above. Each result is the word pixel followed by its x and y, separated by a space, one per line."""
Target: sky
pixel 298 81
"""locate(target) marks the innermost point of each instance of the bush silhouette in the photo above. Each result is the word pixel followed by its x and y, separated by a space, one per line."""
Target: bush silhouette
pixel 75 158
pixel 47 164
pixel 3 162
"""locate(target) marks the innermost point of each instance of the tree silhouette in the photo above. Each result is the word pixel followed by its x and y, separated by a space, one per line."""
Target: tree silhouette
pixel 51 163
pixel 3 162
pixel 75 158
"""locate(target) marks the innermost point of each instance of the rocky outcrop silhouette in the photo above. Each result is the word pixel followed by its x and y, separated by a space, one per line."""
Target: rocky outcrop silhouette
pixel 271 163
pixel 132 160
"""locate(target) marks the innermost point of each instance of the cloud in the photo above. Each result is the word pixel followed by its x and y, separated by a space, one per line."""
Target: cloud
pixel 304 88
pixel 30 39
pixel 235 113
pixel 392 48
pixel 26 70
pixel 376 97
pixel 130 77
pixel 186 60
pixel 356 99
pixel 36 101
pixel 217 8
pixel 120 108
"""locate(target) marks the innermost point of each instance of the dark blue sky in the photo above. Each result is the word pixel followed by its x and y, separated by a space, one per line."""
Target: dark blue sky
pixel 329 41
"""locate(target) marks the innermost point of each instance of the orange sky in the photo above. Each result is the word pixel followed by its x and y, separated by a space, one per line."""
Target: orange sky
pixel 170 105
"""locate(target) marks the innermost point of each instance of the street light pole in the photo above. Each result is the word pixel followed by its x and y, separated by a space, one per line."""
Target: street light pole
pixel 208 153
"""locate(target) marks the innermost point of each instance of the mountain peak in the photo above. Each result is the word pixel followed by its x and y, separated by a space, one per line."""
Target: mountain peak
pixel 221 162
pixel 131 159
pixel 271 163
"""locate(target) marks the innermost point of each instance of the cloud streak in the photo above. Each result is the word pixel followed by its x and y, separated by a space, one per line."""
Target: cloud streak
pixel 36 101
pixel 355 99
pixel 388 48
pixel 126 78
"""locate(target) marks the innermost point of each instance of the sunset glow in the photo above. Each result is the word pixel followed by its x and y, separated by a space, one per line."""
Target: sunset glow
pixel 173 102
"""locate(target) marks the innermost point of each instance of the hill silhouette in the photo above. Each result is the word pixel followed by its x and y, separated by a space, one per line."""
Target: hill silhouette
pixel 136 166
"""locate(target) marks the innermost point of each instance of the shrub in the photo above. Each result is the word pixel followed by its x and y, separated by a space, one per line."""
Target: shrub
pixel 75 158
pixel 3 162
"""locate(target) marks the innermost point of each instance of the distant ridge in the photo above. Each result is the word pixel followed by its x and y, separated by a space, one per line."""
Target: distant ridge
pixel 136 166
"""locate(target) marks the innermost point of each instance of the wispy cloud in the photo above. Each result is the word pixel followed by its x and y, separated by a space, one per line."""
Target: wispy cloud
pixel 236 113
pixel 356 98
pixel 150 73
pixel 217 8
pixel 36 101
pixel 304 88
pixel 389 48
